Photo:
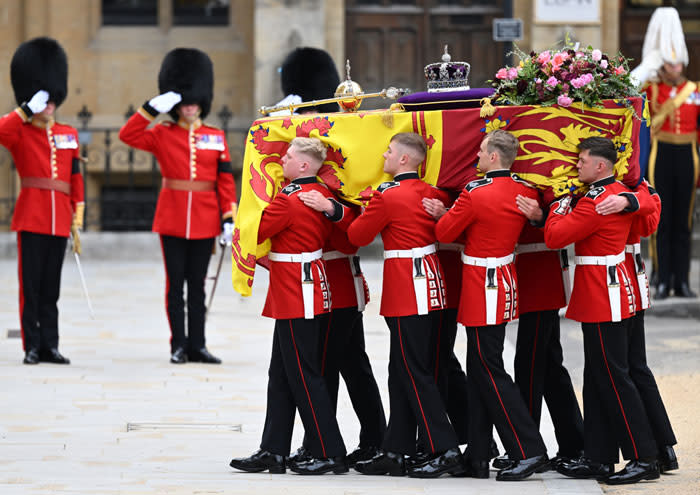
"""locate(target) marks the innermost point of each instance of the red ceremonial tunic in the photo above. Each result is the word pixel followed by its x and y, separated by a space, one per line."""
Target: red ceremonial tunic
pixel 49 152
pixel 396 211
pixel 681 125
pixel 593 235
pixel 643 226
pixel 188 154
pixel 294 228
pixel 339 271
pixel 540 282
pixel 486 211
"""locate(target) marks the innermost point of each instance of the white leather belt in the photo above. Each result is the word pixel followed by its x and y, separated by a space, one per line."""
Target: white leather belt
pixel 307 275
pixel 610 262
pixel 490 280
pixel 636 251
pixel 420 279
pixel 450 246
pixel 357 277
pixel 533 247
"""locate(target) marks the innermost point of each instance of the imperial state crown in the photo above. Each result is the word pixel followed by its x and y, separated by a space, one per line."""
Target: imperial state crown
pixel 447 75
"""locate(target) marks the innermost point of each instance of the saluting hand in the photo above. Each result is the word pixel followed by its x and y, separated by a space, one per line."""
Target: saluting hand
pixel 529 207
pixel 434 207
pixel 165 102
pixel 317 201
pixel 38 102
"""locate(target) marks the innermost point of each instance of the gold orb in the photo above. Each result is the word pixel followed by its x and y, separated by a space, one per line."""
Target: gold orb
pixel 348 90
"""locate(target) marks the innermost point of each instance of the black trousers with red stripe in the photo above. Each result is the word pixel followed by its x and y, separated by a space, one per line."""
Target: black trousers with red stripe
pixel 414 397
pixel 40 261
pixel 295 383
pixel 540 372
pixel 186 260
pixel 644 380
pixel 613 411
pixel 449 375
pixel 495 399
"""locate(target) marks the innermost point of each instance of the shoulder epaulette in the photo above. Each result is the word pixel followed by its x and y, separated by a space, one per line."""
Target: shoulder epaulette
pixel 291 189
pixel 387 185
pixel 520 180
pixel 478 183
pixel 595 192
pixel 166 123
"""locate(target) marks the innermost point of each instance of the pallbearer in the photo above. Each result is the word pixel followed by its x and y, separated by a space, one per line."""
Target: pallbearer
pixel 197 200
pixel 50 204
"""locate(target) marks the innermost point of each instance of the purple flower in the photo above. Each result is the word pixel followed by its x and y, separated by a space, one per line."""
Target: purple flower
pixel 564 100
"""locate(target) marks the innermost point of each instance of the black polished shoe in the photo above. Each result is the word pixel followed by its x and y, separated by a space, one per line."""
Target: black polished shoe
pixel 667 459
pixel 361 454
pixel 684 291
pixel 260 461
pixel 31 357
pixel 585 469
pixel 449 461
pixel 383 463
pixel 475 469
pixel 502 462
pixel 662 291
pixel 178 356
pixel 418 459
pixel 53 356
pixel 561 459
pixel 338 465
pixel 523 468
pixel 633 472
pixel 300 455
pixel 202 356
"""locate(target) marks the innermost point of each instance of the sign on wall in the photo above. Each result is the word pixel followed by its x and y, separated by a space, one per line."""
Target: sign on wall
pixel 568 11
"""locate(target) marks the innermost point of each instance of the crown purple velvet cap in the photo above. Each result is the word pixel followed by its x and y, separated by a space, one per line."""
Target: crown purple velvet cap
pixel 445 100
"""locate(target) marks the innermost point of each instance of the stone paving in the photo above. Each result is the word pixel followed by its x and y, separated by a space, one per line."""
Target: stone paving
pixel 121 419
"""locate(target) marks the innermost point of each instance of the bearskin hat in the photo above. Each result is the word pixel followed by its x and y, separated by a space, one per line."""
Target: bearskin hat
pixel 311 74
pixel 188 71
pixel 37 64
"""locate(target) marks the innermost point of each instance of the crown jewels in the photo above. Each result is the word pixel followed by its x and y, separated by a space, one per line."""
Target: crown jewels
pixel 447 75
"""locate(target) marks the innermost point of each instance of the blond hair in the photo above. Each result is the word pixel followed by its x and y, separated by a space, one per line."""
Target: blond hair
pixel 312 147
pixel 503 143
pixel 414 144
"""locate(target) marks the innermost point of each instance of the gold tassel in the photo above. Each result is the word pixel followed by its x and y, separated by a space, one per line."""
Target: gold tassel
pixel 486 108
pixel 388 119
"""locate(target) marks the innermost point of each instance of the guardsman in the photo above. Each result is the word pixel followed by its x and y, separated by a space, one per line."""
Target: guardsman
pixel 544 285
pixel 299 300
pixel 50 205
pixel 641 375
pixel 603 300
pixel 413 297
pixel 486 212
pixel 197 200
pixel 674 103
pixel 343 347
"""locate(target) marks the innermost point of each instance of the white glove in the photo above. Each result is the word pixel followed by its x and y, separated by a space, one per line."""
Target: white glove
pixel 227 233
pixel 165 102
pixel 563 206
pixel 39 101
pixel 287 100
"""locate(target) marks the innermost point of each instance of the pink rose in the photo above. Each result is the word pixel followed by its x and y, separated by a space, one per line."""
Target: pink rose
pixel 588 78
pixel 620 70
pixel 577 83
pixel 579 54
pixel 560 58
pixel 564 100
pixel 596 55
pixel 603 64
pixel 502 73
pixel 552 81
pixel 544 57
pixel 512 73
pixel 556 67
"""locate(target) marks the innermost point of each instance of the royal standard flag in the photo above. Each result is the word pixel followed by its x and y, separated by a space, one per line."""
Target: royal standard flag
pixel 355 142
